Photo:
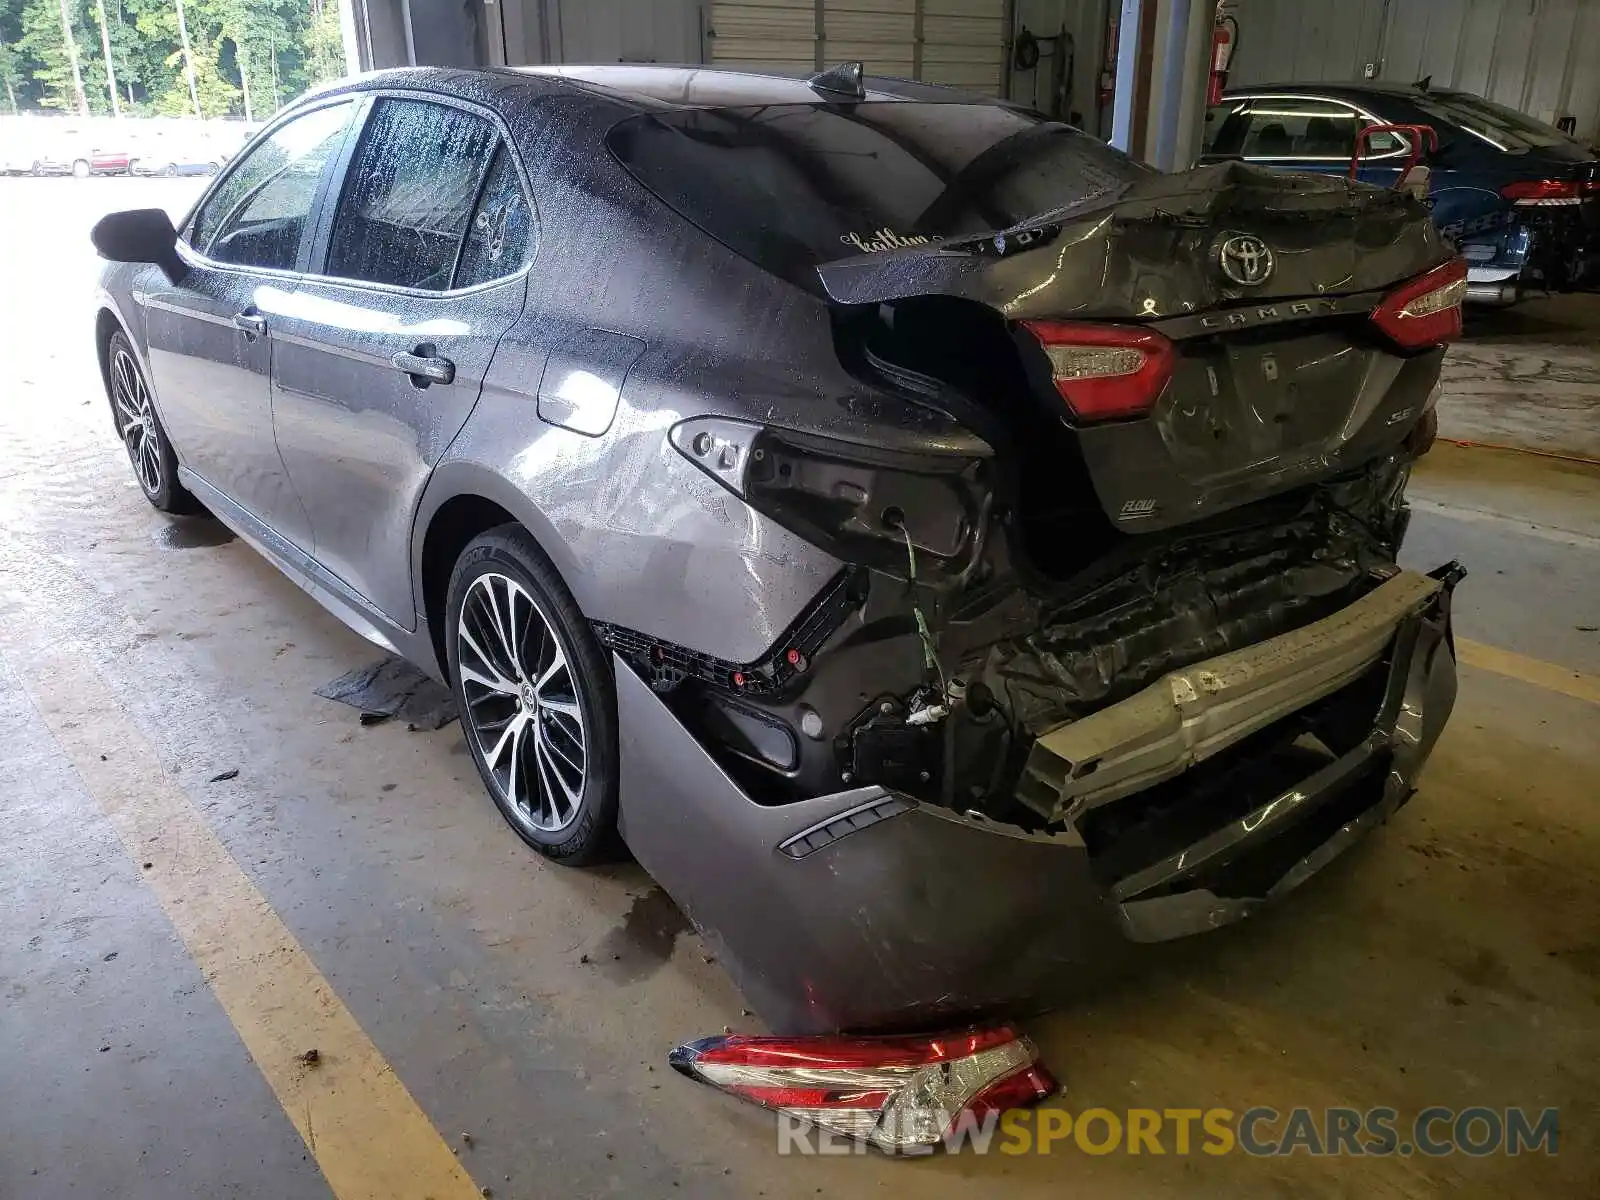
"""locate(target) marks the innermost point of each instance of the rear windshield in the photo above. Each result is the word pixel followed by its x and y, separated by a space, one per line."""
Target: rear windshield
pixel 1502 127
pixel 792 186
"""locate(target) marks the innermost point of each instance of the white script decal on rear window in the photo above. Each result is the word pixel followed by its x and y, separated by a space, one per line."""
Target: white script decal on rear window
pixel 880 240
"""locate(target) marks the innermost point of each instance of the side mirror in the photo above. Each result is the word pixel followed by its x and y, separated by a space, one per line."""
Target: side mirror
pixel 140 235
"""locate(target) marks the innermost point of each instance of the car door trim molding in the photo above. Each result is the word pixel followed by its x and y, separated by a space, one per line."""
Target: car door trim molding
pixel 349 605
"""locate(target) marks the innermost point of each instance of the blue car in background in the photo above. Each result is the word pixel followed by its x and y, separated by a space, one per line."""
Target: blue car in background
pixel 1520 198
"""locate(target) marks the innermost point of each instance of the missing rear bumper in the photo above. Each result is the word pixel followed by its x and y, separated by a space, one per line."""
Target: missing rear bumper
pixel 868 910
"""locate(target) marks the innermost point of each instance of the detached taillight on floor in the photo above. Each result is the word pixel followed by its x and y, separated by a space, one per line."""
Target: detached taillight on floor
pixel 1105 371
pixel 898 1093
pixel 1425 311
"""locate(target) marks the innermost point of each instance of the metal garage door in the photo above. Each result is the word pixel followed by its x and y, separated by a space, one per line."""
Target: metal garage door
pixel 964 44
pixel 775 36
pixel 956 42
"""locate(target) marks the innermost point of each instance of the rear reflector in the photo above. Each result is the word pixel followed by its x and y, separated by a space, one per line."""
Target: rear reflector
pixel 1105 371
pixel 897 1093
pixel 1549 191
pixel 1425 311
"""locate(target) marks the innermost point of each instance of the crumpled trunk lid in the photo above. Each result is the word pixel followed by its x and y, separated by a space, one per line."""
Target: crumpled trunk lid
pixel 1275 383
pixel 1149 251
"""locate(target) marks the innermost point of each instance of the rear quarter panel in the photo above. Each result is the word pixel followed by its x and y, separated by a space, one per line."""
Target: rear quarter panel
pixel 641 537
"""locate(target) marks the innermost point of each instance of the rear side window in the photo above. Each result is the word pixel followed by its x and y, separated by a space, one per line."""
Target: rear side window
pixel 792 186
pixel 500 229
pixel 256 216
pixel 409 194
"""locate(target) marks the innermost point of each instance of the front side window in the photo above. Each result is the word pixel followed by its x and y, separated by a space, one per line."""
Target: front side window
pixel 258 213
pixel 411 190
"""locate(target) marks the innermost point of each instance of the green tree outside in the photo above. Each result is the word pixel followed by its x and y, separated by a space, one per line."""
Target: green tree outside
pixel 250 56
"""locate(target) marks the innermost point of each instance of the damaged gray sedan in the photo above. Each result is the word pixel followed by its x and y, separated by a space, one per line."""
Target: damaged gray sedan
pixel 945 551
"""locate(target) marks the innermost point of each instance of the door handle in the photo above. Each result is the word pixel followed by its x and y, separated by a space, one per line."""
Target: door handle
pixel 253 324
pixel 425 368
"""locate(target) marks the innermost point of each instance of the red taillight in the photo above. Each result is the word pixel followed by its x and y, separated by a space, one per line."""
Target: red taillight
pixel 1105 371
pixel 1549 191
pixel 899 1093
pixel 1425 311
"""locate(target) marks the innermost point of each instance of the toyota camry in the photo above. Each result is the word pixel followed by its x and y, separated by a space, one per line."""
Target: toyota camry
pixel 946 552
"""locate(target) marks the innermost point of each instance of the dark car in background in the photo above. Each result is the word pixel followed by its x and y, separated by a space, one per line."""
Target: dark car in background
pixel 943 549
pixel 1520 198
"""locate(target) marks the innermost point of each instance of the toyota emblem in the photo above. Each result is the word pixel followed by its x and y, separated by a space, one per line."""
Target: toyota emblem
pixel 1245 259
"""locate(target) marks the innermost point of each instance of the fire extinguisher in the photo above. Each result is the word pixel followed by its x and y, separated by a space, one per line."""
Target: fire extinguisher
pixel 1224 41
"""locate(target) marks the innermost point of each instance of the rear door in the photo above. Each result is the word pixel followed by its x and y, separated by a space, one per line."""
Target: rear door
pixel 418 272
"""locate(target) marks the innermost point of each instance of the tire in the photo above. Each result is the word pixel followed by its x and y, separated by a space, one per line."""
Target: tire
pixel 535 727
pixel 80 169
pixel 133 416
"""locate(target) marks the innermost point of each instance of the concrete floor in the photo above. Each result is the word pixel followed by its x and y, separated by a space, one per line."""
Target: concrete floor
pixel 1454 959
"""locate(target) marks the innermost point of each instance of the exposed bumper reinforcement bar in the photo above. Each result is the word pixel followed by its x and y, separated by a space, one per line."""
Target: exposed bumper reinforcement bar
pixel 1379 774
pixel 1190 714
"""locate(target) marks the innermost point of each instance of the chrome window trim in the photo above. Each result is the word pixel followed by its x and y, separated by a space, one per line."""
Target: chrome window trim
pixel 195 258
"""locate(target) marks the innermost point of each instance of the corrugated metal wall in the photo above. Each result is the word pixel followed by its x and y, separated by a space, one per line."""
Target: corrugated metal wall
pixel 1284 41
pixel 1539 56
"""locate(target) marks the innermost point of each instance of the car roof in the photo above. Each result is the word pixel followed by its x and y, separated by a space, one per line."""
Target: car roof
pixel 716 87
pixel 654 86
pixel 1354 89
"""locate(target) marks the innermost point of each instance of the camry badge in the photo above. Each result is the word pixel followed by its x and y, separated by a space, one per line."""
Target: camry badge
pixel 1245 259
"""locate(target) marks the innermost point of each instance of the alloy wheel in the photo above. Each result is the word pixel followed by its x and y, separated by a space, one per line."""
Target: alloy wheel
pixel 136 421
pixel 522 704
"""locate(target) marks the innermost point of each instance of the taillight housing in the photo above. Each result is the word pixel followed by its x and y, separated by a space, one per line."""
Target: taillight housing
pixel 1105 371
pixel 856 500
pixel 897 1093
pixel 1425 311
pixel 1549 191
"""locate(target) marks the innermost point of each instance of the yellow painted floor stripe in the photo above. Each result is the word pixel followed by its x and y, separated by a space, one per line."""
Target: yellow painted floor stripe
pixel 1529 670
pixel 365 1130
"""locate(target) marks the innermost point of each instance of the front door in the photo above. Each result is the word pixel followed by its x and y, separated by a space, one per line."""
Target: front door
pixel 379 362
pixel 211 337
